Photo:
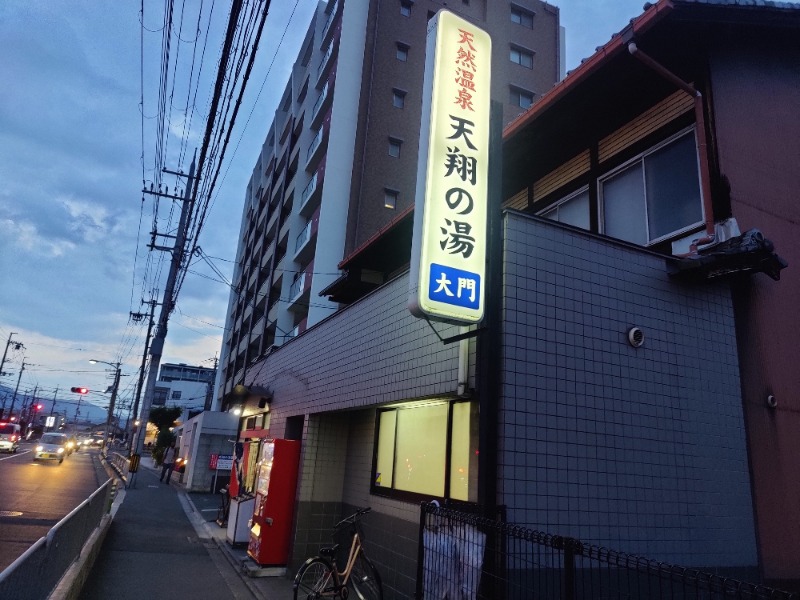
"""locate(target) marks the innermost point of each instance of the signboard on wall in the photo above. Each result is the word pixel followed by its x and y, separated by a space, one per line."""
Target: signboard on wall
pixel 448 253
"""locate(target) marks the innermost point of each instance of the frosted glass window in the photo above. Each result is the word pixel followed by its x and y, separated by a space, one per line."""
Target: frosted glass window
pixel 572 211
pixel 421 446
pixel 673 188
pixel 656 196
pixel 623 206
pixel 464 452
pixel 384 470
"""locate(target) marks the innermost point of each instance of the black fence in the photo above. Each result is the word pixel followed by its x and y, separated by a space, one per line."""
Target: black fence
pixel 464 556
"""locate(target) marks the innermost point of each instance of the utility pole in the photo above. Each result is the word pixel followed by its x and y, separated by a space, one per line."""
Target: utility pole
pixel 138 317
pixel 53 408
pixel 17 346
pixel 157 347
pixel 210 385
pixel 110 418
pixel 16 389
pixel 25 403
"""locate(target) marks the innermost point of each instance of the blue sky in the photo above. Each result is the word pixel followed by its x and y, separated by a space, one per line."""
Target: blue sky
pixel 73 226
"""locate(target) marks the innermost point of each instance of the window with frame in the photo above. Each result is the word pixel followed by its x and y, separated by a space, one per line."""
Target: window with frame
pixel 520 16
pixel 572 210
pixel 176 395
pixel 520 97
pixel 428 448
pixel 394 147
pixel 402 51
pixel 405 8
pixel 521 57
pixel 398 98
pixel 654 196
pixel 390 198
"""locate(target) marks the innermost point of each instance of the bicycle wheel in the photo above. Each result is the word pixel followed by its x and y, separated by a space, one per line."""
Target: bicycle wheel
pixel 365 580
pixel 315 579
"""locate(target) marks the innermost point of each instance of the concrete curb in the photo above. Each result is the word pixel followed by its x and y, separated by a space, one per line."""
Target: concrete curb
pixel 71 584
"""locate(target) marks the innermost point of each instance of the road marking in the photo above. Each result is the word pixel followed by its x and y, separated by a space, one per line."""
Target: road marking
pixel 23 453
pixel 10 513
pixel 209 509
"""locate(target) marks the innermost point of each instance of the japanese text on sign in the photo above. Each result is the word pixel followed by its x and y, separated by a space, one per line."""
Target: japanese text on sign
pixel 449 244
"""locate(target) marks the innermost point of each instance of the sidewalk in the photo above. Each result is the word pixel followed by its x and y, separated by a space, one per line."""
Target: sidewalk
pixel 161 546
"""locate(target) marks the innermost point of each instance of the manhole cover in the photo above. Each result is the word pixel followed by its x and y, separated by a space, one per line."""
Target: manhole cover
pixel 10 513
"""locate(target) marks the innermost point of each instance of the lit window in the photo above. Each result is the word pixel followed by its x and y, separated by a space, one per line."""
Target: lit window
pixel 655 196
pixel 522 57
pixel 390 198
pixel 398 98
pixel 572 210
pixel 405 8
pixel 402 51
pixel 394 147
pixel 521 98
pixel 522 17
pixel 412 450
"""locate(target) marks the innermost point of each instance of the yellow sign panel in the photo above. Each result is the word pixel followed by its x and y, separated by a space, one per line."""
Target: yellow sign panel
pixel 448 257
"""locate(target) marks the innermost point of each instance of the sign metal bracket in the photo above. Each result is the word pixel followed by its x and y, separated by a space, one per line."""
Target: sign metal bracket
pixel 455 338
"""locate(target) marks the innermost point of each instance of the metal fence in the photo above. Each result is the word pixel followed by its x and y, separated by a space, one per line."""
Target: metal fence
pixel 464 556
pixel 36 573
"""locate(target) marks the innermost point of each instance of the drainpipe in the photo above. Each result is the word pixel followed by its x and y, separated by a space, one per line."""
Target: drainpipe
pixel 705 174
pixel 463 365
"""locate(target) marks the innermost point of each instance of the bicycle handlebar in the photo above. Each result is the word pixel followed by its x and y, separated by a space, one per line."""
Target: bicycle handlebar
pixel 354 517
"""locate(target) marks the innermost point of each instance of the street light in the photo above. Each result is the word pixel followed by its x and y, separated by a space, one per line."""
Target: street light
pixel 113 397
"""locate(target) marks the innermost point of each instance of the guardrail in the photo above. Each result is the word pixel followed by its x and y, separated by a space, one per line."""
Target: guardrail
pixel 38 570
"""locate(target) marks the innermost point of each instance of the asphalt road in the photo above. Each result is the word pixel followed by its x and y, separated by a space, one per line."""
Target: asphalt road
pixel 34 496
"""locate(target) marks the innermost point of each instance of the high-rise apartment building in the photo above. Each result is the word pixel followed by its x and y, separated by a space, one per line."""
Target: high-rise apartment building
pixel 327 214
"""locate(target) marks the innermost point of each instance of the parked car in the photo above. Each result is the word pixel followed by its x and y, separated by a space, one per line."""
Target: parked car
pixel 52 446
pixel 9 437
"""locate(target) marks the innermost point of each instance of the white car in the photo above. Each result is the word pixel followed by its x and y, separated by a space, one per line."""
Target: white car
pixel 9 437
pixel 52 446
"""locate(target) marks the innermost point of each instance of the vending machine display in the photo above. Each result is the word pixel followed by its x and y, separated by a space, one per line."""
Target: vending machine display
pixel 276 484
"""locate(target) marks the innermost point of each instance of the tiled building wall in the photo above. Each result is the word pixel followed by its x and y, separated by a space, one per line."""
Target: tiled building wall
pixel 373 352
pixel 641 450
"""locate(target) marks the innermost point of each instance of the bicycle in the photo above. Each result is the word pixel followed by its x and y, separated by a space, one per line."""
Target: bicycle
pixel 319 577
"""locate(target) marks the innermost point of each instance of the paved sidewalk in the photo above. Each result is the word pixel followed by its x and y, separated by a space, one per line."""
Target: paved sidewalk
pixel 161 546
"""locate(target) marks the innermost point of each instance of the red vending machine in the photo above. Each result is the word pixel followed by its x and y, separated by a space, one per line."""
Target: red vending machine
pixel 276 484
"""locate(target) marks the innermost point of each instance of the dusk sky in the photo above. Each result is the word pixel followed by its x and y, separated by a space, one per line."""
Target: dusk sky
pixel 74 150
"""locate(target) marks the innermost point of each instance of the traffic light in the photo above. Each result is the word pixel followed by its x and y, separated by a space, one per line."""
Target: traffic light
pixel 39 407
pixel 80 390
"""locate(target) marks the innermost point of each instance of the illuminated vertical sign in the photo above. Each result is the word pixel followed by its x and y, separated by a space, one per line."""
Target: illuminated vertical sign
pixel 448 253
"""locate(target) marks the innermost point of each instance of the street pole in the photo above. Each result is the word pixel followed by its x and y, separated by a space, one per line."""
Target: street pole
pixel 157 347
pixel 110 418
pixel 5 352
pixel 153 305
pixel 16 389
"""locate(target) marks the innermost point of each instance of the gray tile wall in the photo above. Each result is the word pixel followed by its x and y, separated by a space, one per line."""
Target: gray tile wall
pixel 641 450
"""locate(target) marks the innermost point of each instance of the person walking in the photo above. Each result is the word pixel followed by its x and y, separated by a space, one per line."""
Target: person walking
pixel 168 465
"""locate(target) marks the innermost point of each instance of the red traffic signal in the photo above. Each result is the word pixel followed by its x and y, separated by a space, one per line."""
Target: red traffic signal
pixel 39 407
pixel 80 390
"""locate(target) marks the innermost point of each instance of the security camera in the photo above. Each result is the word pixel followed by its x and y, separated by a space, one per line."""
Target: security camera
pixel 772 401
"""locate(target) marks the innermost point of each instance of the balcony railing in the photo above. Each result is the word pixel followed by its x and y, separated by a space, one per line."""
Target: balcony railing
pixel 297 286
pixel 330 20
pixel 314 144
pixel 310 189
pixel 303 238
pixel 325 60
pixel 319 102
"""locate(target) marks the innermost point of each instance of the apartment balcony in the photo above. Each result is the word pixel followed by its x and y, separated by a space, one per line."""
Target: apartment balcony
pixel 328 28
pixel 327 62
pixel 305 242
pixel 314 150
pixel 300 291
pixel 311 192
pixel 321 105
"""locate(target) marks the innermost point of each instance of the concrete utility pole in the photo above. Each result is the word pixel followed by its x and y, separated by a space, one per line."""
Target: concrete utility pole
pixel 135 317
pixel 157 347
pixel 16 389
pixel 53 407
pixel 17 346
